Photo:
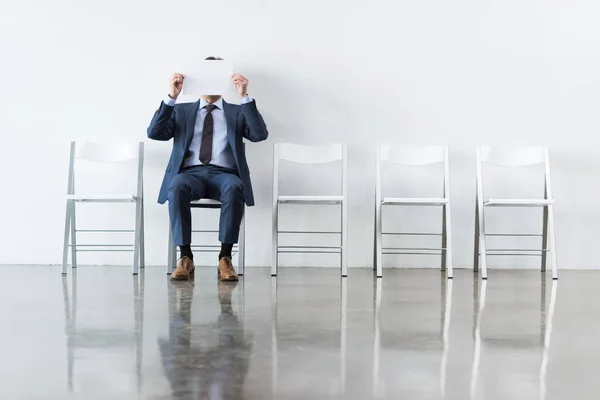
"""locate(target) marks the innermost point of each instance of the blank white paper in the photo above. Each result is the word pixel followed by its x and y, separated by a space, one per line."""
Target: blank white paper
pixel 207 77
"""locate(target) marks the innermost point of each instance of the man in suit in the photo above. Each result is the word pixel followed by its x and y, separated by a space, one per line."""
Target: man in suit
pixel 208 160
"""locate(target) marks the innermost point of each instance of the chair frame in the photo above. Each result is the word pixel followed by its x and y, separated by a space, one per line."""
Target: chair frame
pixel 548 232
pixel 318 155
pixel 70 220
pixel 240 247
pixel 421 156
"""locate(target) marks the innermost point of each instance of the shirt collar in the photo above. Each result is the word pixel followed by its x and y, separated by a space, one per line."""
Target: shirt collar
pixel 218 103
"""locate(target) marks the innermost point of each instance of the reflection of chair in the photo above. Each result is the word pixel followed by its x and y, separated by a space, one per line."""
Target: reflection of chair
pixel 105 153
pixel 310 155
pixel 210 360
pixel 415 346
pixel 97 338
pixel 208 204
pixel 324 341
pixel 519 157
pixel 413 156
pixel 513 344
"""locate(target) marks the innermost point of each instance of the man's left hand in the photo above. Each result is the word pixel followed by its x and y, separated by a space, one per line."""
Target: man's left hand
pixel 241 84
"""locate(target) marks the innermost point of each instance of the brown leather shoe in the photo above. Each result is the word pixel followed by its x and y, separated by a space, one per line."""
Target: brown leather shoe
pixel 226 271
pixel 184 271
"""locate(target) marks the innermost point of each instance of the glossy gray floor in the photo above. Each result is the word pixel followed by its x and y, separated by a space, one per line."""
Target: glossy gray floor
pixel 103 334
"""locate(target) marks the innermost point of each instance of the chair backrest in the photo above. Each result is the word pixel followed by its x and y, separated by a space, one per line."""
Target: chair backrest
pixel 513 157
pixel 309 154
pixel 106 153
pixel 306 154
pixel 412 156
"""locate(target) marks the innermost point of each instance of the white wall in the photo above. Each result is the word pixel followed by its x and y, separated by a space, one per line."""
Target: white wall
pixel 462 73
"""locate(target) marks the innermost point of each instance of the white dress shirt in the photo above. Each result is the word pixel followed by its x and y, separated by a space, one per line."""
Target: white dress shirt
pixel 222 155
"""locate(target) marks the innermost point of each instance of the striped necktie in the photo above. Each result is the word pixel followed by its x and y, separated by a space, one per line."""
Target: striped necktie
pixel 207 135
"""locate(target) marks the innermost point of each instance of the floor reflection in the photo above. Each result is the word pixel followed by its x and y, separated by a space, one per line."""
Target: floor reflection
pixel 447 307
pixel 306 334
pixel 318 345
pixel 547 333
pixel 399 350
pixel 512 376
pixel 205 361
pixel 100 340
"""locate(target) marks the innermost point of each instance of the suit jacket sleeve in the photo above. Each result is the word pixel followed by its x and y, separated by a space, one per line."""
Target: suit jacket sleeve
pixel 162 126
pixel 255 128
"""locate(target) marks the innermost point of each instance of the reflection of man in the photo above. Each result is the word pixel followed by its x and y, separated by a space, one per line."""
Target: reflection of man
pixel 193 372
pixel 208 160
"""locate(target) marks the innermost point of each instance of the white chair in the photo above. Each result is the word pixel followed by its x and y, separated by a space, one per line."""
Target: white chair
pixel 518 157
pixel 239 248
pixel 310 155
pixel 411 156
pixel 105 153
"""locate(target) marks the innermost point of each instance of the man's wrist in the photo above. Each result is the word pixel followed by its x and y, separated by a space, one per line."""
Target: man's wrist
pixel 246 99
pixel 170 101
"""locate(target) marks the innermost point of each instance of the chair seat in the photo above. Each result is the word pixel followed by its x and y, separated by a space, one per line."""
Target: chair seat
pixel 311 199
pixel 206 203
pixel 103 198
pixel 415 201
pixel 517 202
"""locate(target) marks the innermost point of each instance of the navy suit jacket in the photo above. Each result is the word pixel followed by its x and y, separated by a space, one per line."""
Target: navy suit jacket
pixel 177 123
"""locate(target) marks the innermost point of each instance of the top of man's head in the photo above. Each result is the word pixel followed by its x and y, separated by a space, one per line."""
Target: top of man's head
pixel 211 58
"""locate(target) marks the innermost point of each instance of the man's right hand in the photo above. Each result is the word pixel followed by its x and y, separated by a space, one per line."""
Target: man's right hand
pixel 176 85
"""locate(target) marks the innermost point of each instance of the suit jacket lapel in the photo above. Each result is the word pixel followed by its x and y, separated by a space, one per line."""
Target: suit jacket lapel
pixel 190 122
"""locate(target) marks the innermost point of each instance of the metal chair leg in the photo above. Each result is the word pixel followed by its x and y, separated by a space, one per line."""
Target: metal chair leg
pixel 378 240
pixel 171 253
pixel 552 242
pixel 444 238
pixel 344 254
pixel 448 244
pixel 73 236
pixel 482 246
pixel 138 231
pixel 545 239
pixel 476 239
pixel 242 247
pixel 142 236
pixel 275 242
pixel 375 241
pixel 66 238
